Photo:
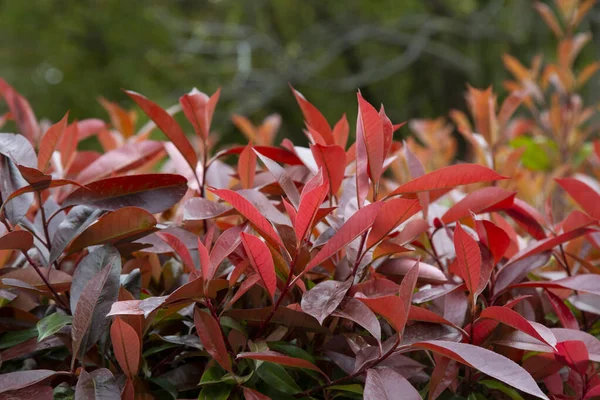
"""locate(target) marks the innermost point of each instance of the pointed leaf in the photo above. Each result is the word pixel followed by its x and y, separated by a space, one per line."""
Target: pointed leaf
pixel 488 362
pixel 481 201
pixel 564 314
pixel 310 202
pixel 51 324
pixel 468 257
pixel 513 319
pixel 331 161
pixel 78 219
pixel 126 345
pixel 168 126
pixel 261 260
pixel 390 215
pixel 573 353
pixel 314 118
pixel 210 335
pixel 199 109
pixel 125 224
pixel 449 177
pixel 153 192
pixel 387 384
pixel 350 230
pixel 583 194
pixel 247 167
pixel 97 385
pixel 180 249
pixel 356 311
pixel 49 142
pixel 281 359
pixel 371 127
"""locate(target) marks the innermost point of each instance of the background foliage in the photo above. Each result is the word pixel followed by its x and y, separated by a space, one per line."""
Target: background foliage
pixel 414 56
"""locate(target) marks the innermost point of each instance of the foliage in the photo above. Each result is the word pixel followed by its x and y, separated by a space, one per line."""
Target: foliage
pixel 338 270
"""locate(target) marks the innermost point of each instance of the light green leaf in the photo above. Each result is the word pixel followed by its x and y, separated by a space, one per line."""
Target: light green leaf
pixel 51 324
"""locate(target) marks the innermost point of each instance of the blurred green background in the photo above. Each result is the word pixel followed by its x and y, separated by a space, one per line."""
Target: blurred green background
pixel 414 56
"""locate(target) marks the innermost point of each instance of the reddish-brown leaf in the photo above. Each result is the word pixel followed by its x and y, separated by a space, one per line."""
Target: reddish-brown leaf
pixel 199 109
pixel 153 192
pixel 494 237
pixel 548 244
pixel 573 353
pixel 390 215
pixel 261 260
pixel 390 307
pixel 16 240
pixel 210 335
pixel 128 223
pixel 449 177
pixel 168 126
pixel 247 167
pixel 250 212
pixel 126 345
pixel 180 248
pixel 564 314
pixel 513 319
pixel 488 362
pixel 250 394
pixel 341 131
pixel 401 266
pixel 21 112
pixel 22 379
pixel 481 201
pixel 356 311
pixel 324 298
pixel 331 160
pixel 281 359
pixel 49 141
pixel 356 225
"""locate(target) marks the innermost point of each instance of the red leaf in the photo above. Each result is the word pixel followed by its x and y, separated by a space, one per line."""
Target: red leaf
pixel 589 283
pixel 390 215
pixel 281 359
pixel 564 314
pixel 444 373
pixel 390 307
pixel 449 177
pixel 331 160
pixel 246 208
pixel 528 217
pixel 407 287
pixel 153 192
pixel 283 178
pixel 168 126
pixel 210 335
pixel 261 260
pixel 370 126
pixel 128 223
pixel 199 109
pixel 573 353
pixel 388 131
pixel 22 379
pixel 548 244
pixel 350 230
pixel 424 315
pixel 340 132
pixel 199 208
pixel 310 201
pixel 180 248
pixel 356 311
pixel 494 237
pixel 314 118
pixel 513 319
pixel 247 167
pixel 35 188
pixel 16 240
pixel 68 145
pixel 49 142
pixel 126 345
pixel 21 112
pixel 488 362
pixel 225 245
pixel 481 201
pixel 125 158
pixel 207 272
pixel 468 258
pixel 583 194
pixel 387 384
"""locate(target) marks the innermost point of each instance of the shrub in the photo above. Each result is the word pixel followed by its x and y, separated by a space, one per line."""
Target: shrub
pixel 331 271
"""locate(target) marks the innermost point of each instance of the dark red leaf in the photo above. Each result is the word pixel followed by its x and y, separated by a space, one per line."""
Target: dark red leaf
pixel 564 314
pixel 180 248
pixel 210 335
pixel 468 258
pixel 153 192
pixel 168 126
pixel 356 311
pixel 573 353
pixel 281 359
pixel 310 201
pixel 390 215
pixel 583 194
pixel 21 112
pixel 22 379
pixel 488 362
pixel 513 319
pixel 494 237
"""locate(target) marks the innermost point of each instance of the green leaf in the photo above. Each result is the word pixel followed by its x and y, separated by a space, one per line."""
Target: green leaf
pixel 278 378
pixel 51 324
pixel 215 392
pixel 166 386
pixel 292 351
pixel 14 338
pixel 496 385
pixel 352 388
pixel 539 152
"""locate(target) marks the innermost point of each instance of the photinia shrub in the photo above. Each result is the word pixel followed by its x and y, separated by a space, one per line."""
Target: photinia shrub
pixel 375 269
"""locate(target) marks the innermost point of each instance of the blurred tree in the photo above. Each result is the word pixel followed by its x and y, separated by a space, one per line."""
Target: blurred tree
pixel 415 56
